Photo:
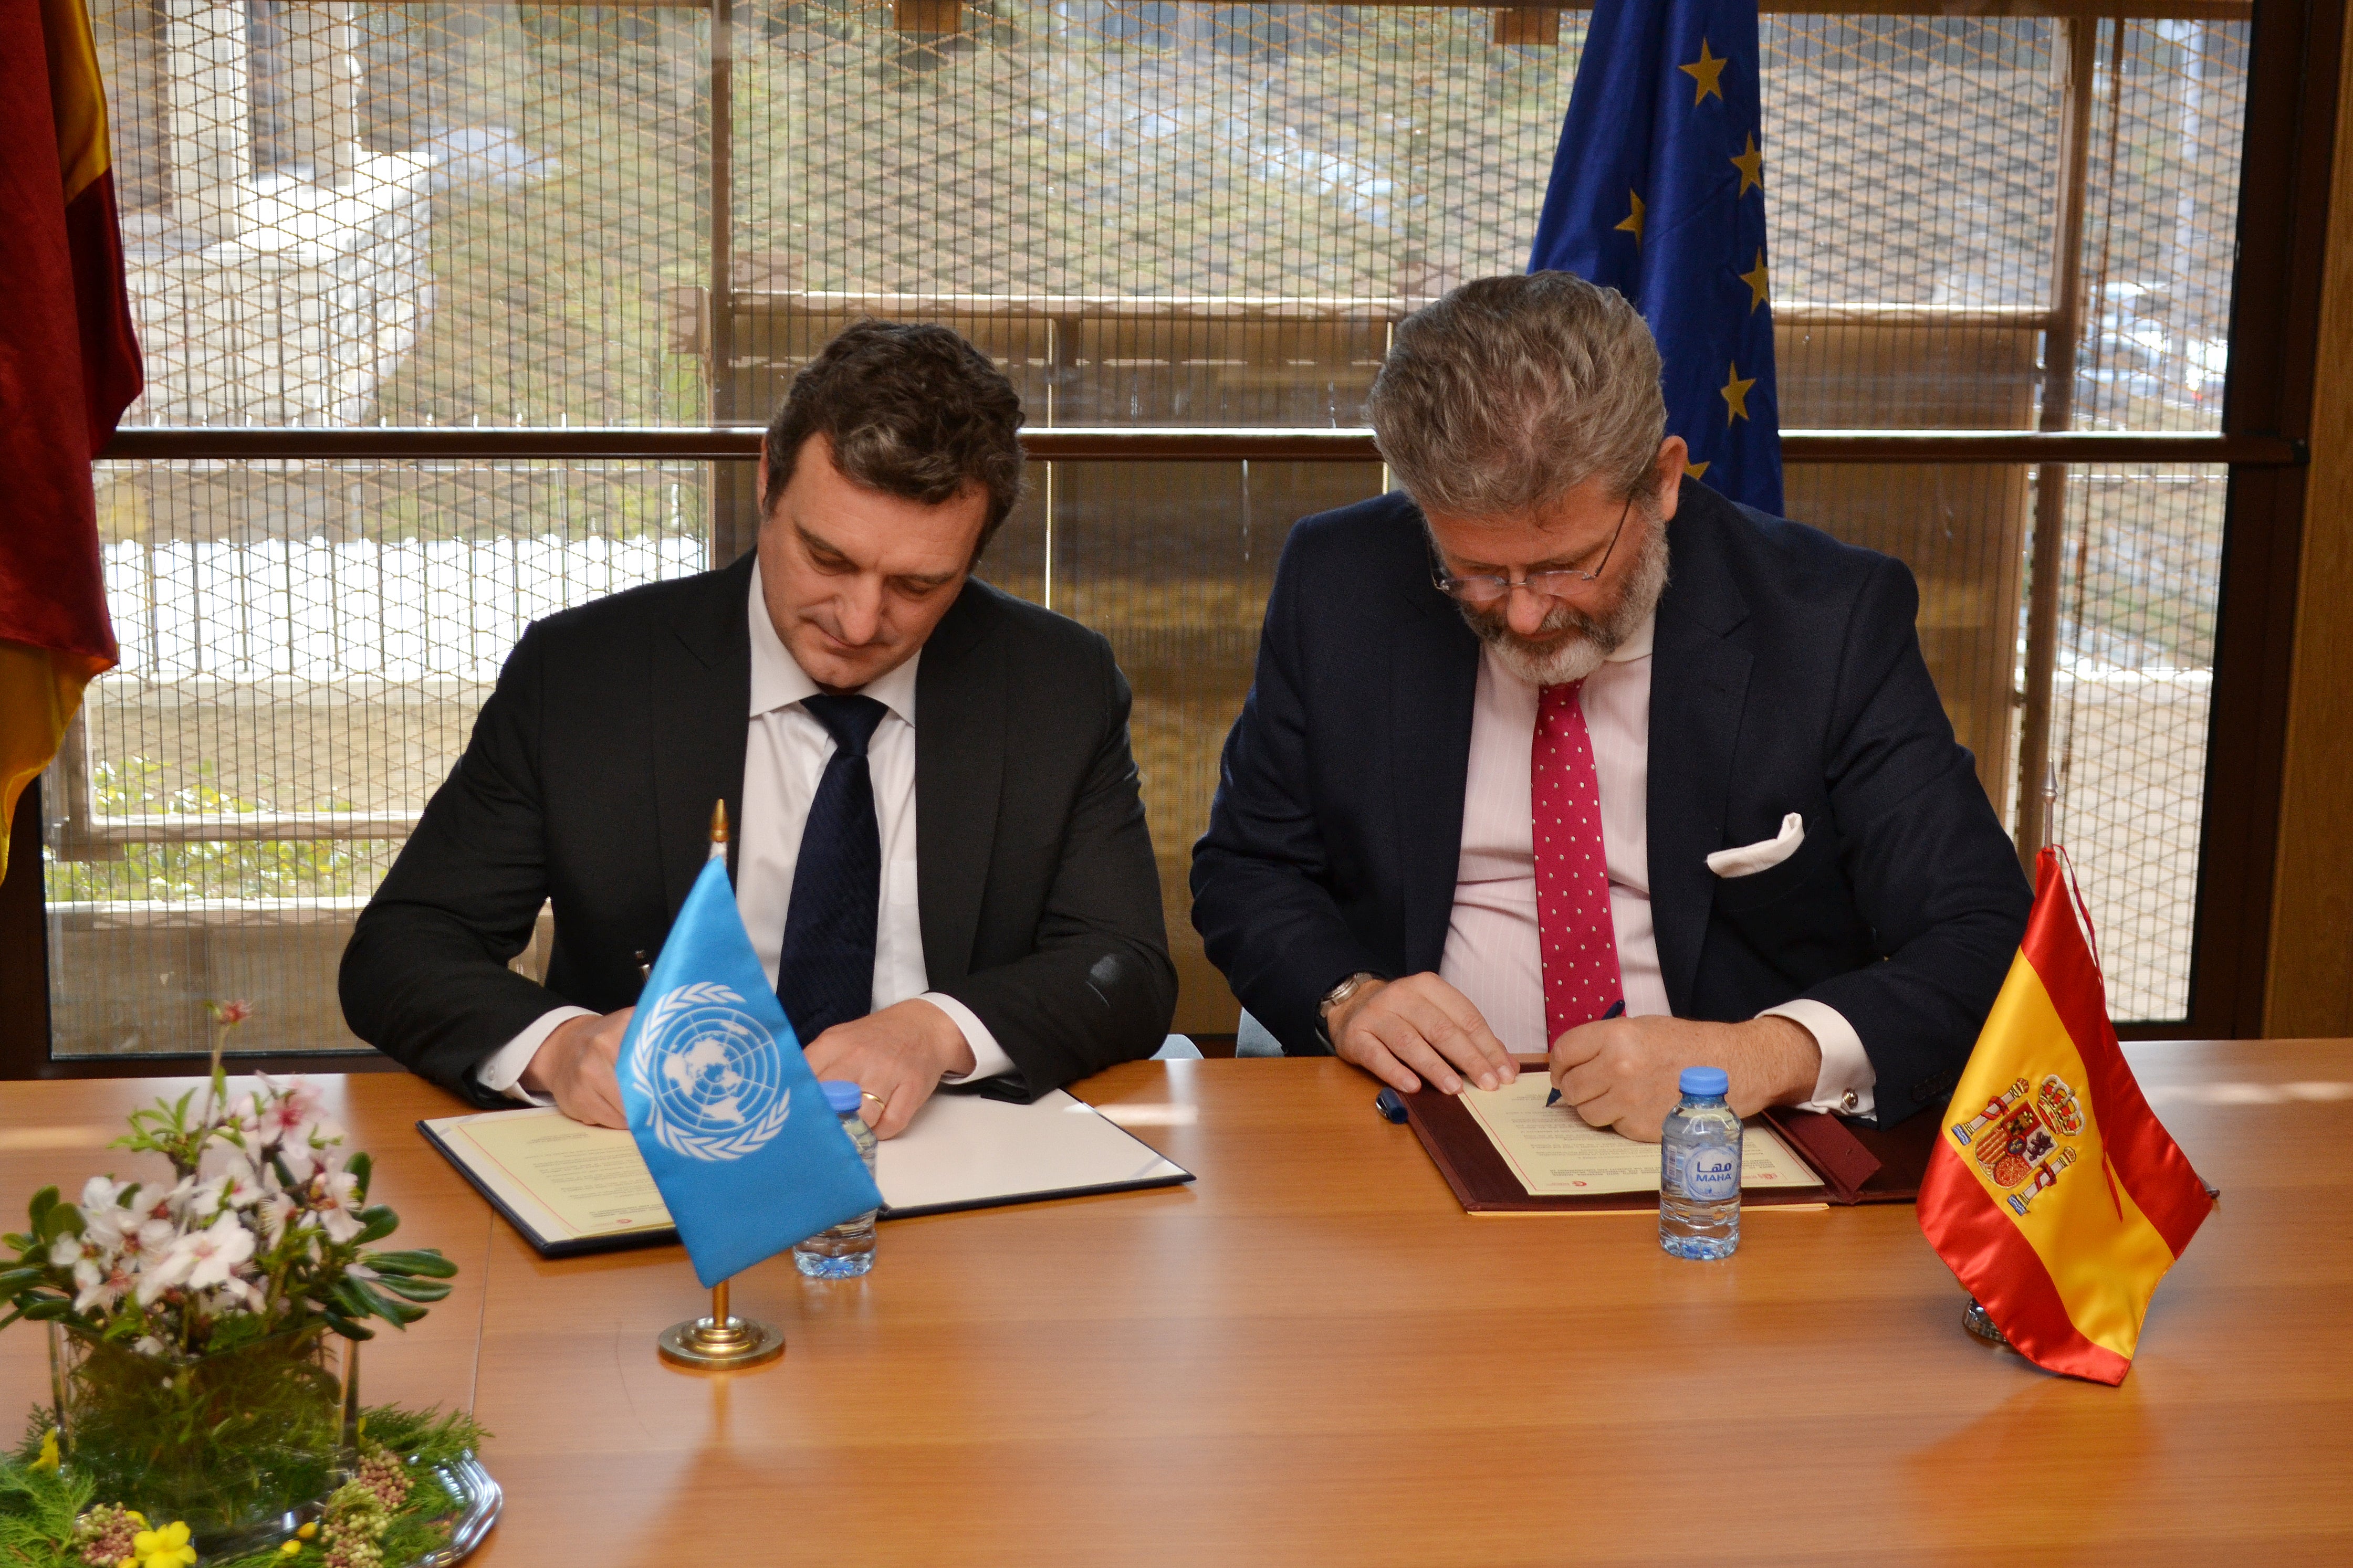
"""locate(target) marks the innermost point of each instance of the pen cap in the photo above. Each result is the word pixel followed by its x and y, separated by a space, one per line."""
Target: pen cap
pixel 1705 1081
pixel 842 1098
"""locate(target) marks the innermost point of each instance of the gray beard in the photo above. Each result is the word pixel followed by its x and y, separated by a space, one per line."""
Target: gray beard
pixel 1591 639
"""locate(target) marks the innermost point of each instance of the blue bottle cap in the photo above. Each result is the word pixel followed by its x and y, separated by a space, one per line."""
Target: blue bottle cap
pixel 1704 1080
pixel 842 1098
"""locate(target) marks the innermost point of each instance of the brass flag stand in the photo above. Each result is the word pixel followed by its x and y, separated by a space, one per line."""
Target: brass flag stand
pixel 721 1342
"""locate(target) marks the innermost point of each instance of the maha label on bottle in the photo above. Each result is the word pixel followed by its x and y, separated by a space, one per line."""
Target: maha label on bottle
pixel 1707 1174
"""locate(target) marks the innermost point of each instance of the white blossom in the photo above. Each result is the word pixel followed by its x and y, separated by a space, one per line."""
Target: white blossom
pixel 333 1197
pixel 199 1260
pixel 101 1286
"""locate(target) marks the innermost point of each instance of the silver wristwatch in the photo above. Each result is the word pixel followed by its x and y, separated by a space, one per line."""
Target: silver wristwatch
pixel 1333 998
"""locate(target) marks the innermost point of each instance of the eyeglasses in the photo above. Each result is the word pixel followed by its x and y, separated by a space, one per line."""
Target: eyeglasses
pixel 1479 589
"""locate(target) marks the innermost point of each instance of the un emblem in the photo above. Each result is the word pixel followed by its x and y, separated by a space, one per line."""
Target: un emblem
pixel 711 1074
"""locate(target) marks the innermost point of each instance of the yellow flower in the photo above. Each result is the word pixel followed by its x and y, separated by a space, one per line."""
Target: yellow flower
pixel 309 1531
pixel 48 1459
pixel 288 1548
pixel 165 1548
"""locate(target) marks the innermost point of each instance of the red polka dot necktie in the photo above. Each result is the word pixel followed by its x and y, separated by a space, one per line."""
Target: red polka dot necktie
pixel 1579 940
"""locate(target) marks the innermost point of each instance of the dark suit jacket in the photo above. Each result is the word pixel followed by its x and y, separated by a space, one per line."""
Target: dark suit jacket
pixel 1786 676
pixel 590 778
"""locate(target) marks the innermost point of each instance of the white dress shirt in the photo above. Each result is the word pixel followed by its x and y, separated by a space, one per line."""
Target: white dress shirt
pixel 785 753
pixel 1493 955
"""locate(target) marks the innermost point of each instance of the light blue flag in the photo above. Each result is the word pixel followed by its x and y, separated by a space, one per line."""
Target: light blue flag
pixel 723 1106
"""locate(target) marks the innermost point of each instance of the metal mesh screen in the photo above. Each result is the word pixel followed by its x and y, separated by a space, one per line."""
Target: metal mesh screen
pixel 1151 215
pixel 304 647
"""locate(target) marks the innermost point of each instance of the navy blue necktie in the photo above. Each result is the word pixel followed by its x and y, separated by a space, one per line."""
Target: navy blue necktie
pixel 824 974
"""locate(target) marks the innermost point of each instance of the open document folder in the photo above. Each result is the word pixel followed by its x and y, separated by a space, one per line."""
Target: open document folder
pixel 1505 1152
pixel 571 1188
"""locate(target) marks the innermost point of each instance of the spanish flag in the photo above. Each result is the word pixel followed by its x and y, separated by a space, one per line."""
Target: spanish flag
pixel 2053 1192
pixel 69 367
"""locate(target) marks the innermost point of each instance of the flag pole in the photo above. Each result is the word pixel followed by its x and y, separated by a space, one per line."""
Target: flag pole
pixel 721 1342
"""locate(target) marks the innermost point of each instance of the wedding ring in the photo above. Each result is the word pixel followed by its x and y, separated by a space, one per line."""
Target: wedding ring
pixel 877 1099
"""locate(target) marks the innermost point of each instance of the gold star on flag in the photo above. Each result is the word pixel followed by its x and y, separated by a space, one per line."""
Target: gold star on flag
pixel 1734 392
pixel 1704 71
pixel 1632 221
pixel 1755 281
pixel 1751 165
pixel 1695 470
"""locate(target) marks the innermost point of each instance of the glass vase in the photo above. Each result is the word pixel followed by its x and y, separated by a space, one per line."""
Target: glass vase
pixel 230 1443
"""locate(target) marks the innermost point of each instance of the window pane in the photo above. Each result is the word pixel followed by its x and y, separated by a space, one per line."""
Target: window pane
pixel 2130 706
pixel 304 647
pixel 342 213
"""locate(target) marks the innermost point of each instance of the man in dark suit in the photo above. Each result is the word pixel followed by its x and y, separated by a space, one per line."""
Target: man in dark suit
pixel 1554 730
pixel 941 853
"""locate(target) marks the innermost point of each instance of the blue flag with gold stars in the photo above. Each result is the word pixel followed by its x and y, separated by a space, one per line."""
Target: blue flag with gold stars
pixel 1657 191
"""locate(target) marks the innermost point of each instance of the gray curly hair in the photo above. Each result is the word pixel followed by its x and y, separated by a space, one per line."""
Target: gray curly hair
pixel 1509 392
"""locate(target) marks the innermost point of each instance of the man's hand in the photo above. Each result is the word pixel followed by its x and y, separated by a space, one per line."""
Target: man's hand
pixel 574 1064
pixel 1396 1029
pixel 897 1055
pixel 1621 1072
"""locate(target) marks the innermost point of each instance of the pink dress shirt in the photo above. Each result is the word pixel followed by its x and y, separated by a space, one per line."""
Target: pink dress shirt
pixel 1492 955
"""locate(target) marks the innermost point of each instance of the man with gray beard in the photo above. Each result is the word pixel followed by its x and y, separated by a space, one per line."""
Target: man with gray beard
pixel 1659 754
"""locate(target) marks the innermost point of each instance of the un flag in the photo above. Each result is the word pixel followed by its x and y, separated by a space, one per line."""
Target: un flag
pixel 1657 191
pixel 722 1103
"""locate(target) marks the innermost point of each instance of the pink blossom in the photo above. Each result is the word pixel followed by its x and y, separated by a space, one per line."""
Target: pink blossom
pixel 230 1013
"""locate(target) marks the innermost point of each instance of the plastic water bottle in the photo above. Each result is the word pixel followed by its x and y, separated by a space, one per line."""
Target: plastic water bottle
pixel 1699 1169
pixel 848 1250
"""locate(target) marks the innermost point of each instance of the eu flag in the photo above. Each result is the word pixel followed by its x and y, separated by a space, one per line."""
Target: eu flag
pixel 725 1110
pixel 1657 191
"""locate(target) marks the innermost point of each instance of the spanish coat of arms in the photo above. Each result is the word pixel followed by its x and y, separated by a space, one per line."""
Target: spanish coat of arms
pixel 2021 1137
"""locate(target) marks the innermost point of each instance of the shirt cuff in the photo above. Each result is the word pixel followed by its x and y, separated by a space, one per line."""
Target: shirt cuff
pixel 501 1072
pixel 1844 1086
pixel 988 1057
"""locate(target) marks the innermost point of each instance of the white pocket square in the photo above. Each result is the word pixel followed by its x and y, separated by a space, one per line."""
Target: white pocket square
pixel 1765 854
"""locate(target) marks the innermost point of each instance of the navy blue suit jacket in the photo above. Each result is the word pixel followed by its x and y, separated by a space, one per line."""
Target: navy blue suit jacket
pixel 1786 676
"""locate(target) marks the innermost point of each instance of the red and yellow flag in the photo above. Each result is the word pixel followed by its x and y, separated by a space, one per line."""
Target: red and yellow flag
pixel 69 367
pixel 2053 1193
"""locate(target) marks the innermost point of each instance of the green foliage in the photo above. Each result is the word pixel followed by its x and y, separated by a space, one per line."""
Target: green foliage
pixel 240 1434
pixel 38 1508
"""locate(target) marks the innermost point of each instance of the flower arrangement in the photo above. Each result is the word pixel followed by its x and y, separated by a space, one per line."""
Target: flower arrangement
pixel 266 1229
pixel 189 1321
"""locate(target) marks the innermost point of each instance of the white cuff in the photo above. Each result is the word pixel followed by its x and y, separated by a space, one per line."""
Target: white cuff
pixel 501 1072
pixel 1844 1086
pixel 988 1057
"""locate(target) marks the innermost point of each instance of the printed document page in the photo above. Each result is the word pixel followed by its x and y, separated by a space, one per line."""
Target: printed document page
pixel 570 1182
pixel 564 1179
pixel 1555 1153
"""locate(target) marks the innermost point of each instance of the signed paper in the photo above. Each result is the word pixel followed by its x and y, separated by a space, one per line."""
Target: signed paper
pixel 590 1180
pixel 1554 1154
pixel 563 1182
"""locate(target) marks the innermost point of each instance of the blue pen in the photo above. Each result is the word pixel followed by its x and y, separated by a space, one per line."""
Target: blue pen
pixel 1614 1010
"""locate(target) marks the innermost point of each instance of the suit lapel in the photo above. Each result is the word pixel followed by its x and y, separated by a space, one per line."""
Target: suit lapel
pixel 702 689
pixel 960 722
pixel 1699 686
pixel 1433 686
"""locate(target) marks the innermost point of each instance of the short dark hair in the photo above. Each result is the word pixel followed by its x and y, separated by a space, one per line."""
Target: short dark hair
pixel 910 410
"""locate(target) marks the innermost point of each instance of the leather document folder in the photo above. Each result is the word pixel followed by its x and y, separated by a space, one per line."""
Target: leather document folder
pixel 1857 1164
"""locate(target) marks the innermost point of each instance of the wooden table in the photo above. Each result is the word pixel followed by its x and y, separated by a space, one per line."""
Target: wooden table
pixel 1311 1355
